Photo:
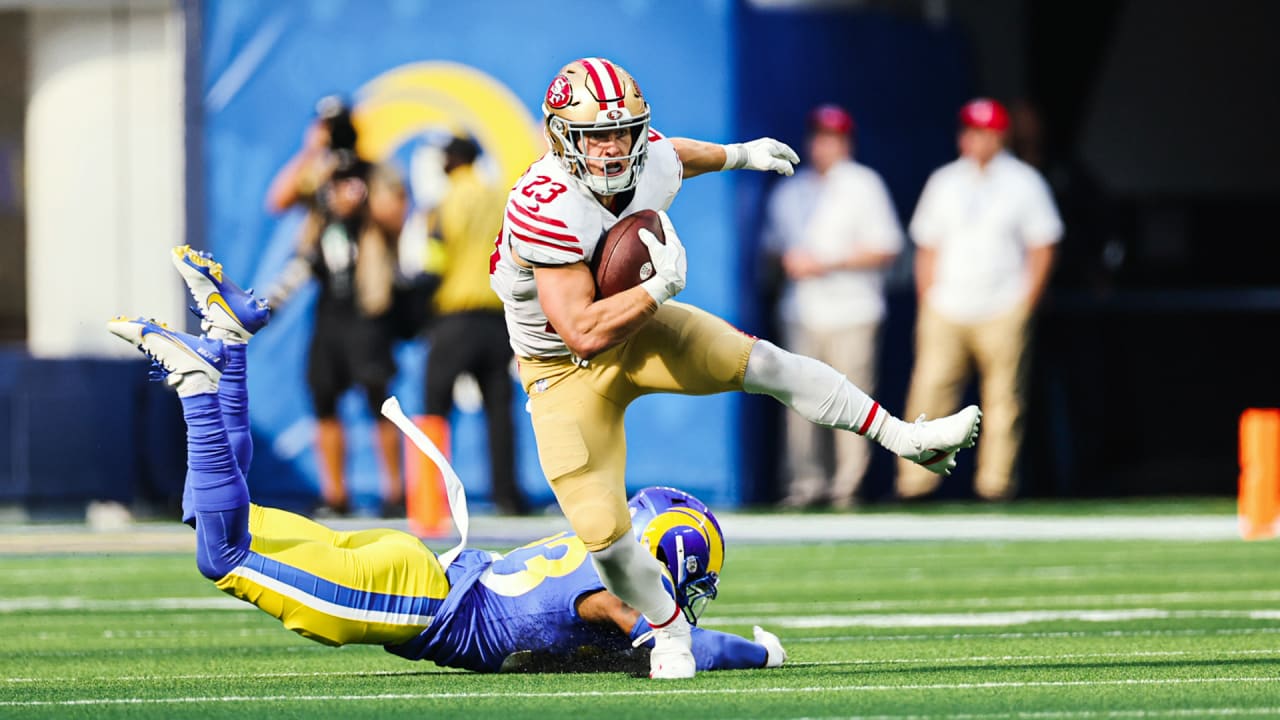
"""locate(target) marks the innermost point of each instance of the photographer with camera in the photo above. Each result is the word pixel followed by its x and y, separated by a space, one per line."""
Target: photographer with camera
pixel 347 243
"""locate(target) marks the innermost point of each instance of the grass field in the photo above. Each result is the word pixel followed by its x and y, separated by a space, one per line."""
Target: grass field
pixel 963 630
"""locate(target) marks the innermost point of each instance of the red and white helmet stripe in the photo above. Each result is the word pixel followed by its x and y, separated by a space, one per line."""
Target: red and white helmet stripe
pixel 597 70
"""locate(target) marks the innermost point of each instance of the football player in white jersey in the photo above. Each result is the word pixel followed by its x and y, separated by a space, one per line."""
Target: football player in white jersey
pixel 583 360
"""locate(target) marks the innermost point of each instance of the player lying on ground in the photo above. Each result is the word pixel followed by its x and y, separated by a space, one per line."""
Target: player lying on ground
pixel 384 586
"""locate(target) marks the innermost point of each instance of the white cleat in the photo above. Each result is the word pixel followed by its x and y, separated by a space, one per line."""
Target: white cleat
pixel 672 654
pixel 177 355
pixel 935 442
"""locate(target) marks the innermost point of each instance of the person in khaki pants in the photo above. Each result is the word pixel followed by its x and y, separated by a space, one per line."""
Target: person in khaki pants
pixel 986 230
pixel 834 230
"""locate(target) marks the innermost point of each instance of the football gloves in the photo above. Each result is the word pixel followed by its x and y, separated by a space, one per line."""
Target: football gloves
pixel 777 655
pixel 669 263
pixel 761 154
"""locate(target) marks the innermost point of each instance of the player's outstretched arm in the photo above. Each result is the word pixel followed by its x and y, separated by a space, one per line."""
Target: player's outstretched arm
pixel 714 650
pixel 700 157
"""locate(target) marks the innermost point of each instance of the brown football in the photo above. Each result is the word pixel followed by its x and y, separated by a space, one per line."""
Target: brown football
pixel 621 260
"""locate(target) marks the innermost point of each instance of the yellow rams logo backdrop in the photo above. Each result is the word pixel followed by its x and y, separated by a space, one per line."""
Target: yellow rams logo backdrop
pixel 421 99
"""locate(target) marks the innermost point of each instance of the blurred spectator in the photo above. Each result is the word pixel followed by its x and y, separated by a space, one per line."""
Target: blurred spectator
pixel 986 230
pixel 834 229
pixel 329 134
pixel 468 333
pixel 348 244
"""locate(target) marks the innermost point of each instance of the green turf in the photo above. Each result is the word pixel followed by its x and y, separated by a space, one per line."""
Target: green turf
pixel 893 630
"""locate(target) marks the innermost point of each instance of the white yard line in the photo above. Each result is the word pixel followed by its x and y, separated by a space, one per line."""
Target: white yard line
pixel 1036 601
pixel 984 619
pixel 1070 714
pixel 1036 658
pixel 1037 635
pixel 891 661
pixel 651 691
pixel 212 602
pixel 738 527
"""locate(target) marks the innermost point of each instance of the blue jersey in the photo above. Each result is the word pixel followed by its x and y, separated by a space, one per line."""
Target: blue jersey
pixel 524 601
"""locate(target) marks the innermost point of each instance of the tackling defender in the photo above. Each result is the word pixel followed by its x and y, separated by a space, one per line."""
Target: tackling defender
pixel 384 586
pixel 583 360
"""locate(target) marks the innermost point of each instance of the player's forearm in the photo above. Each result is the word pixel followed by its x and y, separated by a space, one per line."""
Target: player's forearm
pixel 605 323
pixel 715 650
pixel 699 157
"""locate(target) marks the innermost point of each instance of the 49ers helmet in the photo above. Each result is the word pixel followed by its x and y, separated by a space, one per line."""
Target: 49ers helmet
pixel 591 95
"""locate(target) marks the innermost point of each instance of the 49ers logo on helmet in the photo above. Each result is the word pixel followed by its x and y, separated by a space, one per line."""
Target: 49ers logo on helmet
pixel 559 93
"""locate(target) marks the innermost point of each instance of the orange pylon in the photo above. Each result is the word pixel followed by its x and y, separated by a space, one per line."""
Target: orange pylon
pixel 1259 497
pixel 426 499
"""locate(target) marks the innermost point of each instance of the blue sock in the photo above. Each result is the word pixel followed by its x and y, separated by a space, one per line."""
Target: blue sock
pixel 213 476
pixel 233 396
pixel 219 495
pixel 222 541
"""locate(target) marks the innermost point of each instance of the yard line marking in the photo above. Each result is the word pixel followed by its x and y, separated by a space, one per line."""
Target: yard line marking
pixel 214 602
pixel 1067 714
pixel 1042 635
pixel 631 693
pixel 891 661
pixel 1024 658
pixel 986 619
pixel 245 676
pixel 1037 601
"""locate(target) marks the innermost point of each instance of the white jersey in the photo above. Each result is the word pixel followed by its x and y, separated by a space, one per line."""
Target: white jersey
pixel 552 219
pixel 981 222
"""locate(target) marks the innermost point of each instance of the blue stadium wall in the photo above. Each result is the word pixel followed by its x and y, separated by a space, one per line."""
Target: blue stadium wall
pixel 264 65
pixel 713 69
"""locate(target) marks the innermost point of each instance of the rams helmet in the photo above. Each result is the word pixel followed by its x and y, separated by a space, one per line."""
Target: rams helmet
pixel 683 534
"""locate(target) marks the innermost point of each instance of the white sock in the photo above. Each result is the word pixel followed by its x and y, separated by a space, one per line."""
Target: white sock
pixel 192 383
pixel 229 337
pixel 821 395
pixel 636 578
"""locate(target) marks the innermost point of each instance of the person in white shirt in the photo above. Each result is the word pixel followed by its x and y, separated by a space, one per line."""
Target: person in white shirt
pixel 986 231
pixel 835 231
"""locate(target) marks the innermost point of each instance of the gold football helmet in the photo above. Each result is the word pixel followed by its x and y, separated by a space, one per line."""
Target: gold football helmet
pixel 593 95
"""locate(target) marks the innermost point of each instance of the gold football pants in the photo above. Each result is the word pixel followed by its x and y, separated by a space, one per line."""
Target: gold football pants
pixel 578 410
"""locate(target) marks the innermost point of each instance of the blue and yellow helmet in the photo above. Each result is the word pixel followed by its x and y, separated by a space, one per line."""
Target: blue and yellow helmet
pixel 681 531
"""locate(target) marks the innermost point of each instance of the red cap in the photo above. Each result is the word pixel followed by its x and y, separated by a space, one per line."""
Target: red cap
pixel 984 114
pixel 831 118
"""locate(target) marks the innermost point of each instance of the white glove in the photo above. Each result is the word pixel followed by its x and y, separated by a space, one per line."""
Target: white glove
pixel 777 655
pixel 762 154
pixel 669 263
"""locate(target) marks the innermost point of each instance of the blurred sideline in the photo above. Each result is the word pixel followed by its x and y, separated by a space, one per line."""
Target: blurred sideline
pixel 503 532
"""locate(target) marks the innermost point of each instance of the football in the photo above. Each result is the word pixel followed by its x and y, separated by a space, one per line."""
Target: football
pixel 622 261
